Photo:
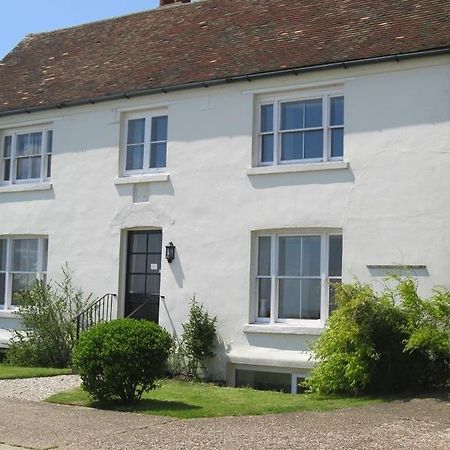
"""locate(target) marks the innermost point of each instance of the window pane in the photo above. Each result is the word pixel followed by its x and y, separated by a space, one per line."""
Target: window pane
pixel 35 164
pixel 332 293
pixel 289 299
pixel 314 144
pixel 153 264
pixel 335 256
pixel 158 155
pixel 135 157
pixel 337 111
pixel 291 146
pixel 159 128
pixel 310 299
pixel 2 289
pixel 136 284
pixel 155 243
pixel 289 255
pixel 138 263
pixel 29 144
pixel 311 256
pixel 23 168
pixel 264 252
pixel 20 283
pixel 313 113
pixel 292 115
pixel 3 255
pixel 7 146
pixel 25 255
pixel 153 284
pixel 264 293
pixel 267 148
pixel 7 169
pixel 266 118
pixel 337 142
pixel 136 131
pixel 49 166
pixel 49 141
pixel 45 255
pixel 139 242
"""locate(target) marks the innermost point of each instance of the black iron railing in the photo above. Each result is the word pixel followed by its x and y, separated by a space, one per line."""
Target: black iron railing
pixel 102 310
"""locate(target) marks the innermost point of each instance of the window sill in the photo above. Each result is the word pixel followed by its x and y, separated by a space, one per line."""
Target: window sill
pixel 294 168
pixel 147 178
pixel 282 329
pixel 9 314
pixel 25 187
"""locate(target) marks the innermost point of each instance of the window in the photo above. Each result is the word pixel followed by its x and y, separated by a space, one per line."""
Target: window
pixel 22 260
pixel 145 146
pixel 26 156
pixel 301 129
pixel 295 275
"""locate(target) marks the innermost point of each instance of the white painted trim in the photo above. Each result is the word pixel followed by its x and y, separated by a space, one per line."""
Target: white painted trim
pixel 149 178
pixel 25 187
pixel 145 107
pixel 294 168
pixel 280 328
pixel 30 123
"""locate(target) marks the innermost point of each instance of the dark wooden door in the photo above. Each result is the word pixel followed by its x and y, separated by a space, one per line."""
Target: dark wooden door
pixel 143 275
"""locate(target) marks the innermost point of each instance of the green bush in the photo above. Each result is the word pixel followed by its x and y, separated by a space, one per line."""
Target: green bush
pixel 47 313
pixel 383 342
pixel 122 359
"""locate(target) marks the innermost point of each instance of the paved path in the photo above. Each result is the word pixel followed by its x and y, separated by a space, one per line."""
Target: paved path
pixel 417 424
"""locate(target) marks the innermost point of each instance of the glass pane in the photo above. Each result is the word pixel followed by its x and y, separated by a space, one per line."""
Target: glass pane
pixel 292 115
pixel 266 118
pixel 138 263
pixel 23 169
pixel 264 252
pixel 291 146
pixel 7 170
pixel 155 242
pixel 49 141
pixel 337 111
pixel 29 144
pixel 337 142
pixel 3 254
pixel 310 299
pixel 264 293
pixel 314 144
pixel 159 128
pixel 20 283
pixel 7 146
pixel 49 166
pixel 332 294
pixel 311 256
pixel 289 299
pixel 313 113
pixel 153 263
pixel 25 255
pixel 267 148
pixel 45 255
pixel 139 242
pixel 135 157
pixel 289 252
pixel 153 284
pixel 36 167
pixel 2 289
pixel 335 257
pixel 136 131
pixel 158 155
pixel 136 284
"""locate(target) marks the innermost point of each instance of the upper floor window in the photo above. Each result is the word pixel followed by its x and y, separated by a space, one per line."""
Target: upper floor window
pixel 22 261
pixel 145 143
pixel 26 156
pixel 295 274
pixel 295 129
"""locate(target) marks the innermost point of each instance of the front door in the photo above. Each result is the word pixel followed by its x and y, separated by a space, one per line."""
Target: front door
pixel 143 275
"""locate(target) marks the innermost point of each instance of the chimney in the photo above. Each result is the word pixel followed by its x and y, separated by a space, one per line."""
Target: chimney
pixel 169 2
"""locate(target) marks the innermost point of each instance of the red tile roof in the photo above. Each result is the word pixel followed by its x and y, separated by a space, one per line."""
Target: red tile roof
pixel 211 40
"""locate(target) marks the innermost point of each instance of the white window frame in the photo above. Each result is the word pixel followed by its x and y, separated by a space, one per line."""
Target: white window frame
pixel 324 277
pixel 13 158
pixel 276 101
pixel 147 115
pixel 9 272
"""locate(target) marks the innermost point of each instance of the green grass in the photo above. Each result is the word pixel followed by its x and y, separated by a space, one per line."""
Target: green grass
pixel 9 372
pixel 192 400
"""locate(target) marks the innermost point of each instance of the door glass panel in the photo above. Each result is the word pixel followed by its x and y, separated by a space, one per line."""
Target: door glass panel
pixel 153 263
pixel 137 264
pixel 154 242
pixel 152 286
pixel 136 284
pixel 138 242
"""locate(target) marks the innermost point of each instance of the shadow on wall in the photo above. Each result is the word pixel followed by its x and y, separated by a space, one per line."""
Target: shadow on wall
pixel 281 341
pixel 30 196
pixel 142 192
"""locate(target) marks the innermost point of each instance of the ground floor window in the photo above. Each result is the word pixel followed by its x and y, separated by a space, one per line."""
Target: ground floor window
pixel 295 275
pixel 22 261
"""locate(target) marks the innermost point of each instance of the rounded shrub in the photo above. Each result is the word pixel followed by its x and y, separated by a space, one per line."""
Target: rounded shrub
pixel 122 359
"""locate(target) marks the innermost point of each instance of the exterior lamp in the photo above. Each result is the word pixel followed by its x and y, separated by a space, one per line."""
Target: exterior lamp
pixel 170 252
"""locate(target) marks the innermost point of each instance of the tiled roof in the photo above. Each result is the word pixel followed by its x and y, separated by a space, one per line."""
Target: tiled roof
pixel 210 40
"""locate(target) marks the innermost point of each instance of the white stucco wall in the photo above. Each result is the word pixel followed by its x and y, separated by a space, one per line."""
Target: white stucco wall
pixel 392 203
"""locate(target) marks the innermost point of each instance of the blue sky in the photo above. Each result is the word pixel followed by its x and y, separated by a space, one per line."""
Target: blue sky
pixel 20 17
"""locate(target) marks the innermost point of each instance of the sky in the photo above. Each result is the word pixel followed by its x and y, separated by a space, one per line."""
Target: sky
pixel 21 17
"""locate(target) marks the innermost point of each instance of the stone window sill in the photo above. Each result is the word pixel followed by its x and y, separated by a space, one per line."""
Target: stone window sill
pixel 147 178
pixel 294 168
pixel 282 329
pixel 9 314
pixel 25 187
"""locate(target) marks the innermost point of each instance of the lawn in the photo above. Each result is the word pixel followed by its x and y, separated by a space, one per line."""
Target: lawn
pixel 192 400
pixel 8 372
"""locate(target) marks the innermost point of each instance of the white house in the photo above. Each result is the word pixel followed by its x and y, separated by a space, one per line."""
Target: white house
pixel 279 145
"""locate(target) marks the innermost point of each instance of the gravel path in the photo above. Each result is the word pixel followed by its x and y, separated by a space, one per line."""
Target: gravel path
pixel 37 389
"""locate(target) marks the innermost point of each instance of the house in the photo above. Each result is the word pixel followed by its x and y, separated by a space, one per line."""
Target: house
pixel 274 146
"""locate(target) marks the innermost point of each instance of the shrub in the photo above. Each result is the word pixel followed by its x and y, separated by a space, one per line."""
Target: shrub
pixel 197 340
pixel 122 359
pixel 373 344
pixel 47 313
